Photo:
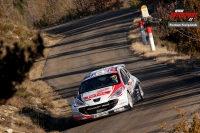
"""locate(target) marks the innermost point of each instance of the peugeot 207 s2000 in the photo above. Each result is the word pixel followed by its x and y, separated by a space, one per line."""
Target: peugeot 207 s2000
pixel 106 91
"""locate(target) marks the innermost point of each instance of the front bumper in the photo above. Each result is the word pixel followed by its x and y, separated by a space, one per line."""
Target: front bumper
pixel 101 114
pixel 79 114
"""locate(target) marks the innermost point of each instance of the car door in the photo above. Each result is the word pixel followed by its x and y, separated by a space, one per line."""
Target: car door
pixel 127 81
pixel 135 86
pixel 131 80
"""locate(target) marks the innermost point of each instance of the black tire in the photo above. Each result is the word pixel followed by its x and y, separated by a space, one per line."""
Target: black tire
pixel 141 92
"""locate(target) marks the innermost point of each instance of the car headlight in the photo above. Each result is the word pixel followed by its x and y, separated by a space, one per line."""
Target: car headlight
pixel 77 102
pixel 117 93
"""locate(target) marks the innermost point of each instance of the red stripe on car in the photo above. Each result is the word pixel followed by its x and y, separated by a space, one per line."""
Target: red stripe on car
pixel 82 118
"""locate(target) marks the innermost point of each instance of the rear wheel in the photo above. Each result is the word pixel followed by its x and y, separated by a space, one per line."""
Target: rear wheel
pixel 130 100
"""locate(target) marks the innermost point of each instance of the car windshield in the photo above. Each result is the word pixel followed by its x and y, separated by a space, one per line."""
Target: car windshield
pixel 99 82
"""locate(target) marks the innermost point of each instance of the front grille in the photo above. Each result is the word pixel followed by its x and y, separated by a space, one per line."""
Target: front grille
pixel 99 108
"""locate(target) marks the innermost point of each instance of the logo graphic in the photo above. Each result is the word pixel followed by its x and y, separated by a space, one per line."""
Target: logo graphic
pixel 179 13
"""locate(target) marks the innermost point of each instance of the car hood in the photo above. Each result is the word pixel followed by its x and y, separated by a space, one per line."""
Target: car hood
pixel 98 96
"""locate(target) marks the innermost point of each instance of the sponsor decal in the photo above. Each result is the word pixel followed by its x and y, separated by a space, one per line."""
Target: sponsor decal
pixel 100 73
pixel 100 114
pixel 129 88
pixel 116 87
pixel 122 102
pixel 112 70
pixel 96 95
pixel 105 89
pixel 97 107
pixel 119 109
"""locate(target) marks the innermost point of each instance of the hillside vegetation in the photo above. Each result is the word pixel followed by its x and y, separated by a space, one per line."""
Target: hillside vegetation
pixel 45 12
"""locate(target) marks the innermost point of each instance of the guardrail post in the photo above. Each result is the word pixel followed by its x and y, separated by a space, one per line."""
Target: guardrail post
pixel 141 24
pixel 149 31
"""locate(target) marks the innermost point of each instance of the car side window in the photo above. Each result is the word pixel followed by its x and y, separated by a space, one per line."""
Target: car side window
pixel 127 72
pixel 124 76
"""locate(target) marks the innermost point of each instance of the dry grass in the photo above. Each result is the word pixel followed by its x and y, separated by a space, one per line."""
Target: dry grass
pixel 161 54
pixel 12 31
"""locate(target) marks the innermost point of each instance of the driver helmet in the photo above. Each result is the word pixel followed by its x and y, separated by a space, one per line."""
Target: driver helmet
pixel 114 78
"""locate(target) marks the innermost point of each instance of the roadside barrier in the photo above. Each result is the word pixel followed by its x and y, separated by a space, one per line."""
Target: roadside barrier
pixel 141 24
pixel 149 31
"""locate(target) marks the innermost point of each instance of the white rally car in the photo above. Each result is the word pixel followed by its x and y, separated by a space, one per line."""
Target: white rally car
pixel 106 91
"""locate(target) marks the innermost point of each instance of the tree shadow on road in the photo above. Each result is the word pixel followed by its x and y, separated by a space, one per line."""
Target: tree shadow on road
pixel 15 63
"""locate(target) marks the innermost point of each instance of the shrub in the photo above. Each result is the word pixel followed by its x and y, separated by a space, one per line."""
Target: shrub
pixel 20 6
pixel 184 125
pixel 17 31
pixel 134 3
pixel 6 26
pixel 21 92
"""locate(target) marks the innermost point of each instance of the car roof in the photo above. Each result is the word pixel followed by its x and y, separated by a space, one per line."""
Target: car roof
pixel 103 71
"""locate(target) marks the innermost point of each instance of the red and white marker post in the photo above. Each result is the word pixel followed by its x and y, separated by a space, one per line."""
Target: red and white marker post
pixel 142 30
pixel 149 31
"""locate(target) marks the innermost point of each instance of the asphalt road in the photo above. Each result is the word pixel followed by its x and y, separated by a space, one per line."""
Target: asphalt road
pixel 100 41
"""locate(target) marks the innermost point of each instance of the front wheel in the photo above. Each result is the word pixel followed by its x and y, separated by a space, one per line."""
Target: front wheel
pixel 130 100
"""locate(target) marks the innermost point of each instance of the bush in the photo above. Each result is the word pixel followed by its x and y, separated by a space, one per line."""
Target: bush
pixel 6 26
pixel 134 3
pixel 184 125
pixel 20 6
pixel 17 31
pixel 21 92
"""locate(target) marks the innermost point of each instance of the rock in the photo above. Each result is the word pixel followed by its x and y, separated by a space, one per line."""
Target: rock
pixel 7 111
pixel 3 118
pixel 9 131
pixel 12 108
